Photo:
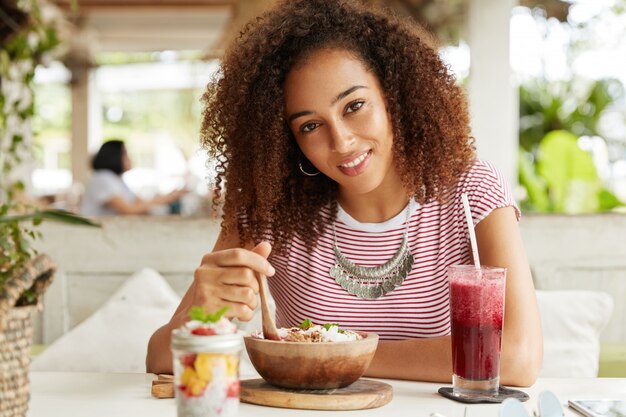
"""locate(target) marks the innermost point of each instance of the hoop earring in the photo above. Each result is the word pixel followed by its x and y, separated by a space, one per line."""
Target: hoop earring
pixel 308 174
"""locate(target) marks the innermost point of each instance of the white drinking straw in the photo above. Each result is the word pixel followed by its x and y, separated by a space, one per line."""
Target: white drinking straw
pixel 470 227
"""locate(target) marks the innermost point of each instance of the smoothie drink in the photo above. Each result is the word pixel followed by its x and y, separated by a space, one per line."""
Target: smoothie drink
pixel 477 312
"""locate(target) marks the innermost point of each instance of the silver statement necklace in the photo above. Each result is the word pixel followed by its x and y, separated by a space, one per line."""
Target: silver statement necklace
pixel 374 281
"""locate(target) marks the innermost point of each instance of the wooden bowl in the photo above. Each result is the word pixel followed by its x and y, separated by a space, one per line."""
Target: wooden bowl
pixel 302 365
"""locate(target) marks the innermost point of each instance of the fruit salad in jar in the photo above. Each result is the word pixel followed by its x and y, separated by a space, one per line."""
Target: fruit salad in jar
pixel 206 365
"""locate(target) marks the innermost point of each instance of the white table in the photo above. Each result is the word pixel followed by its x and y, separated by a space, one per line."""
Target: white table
pixel 69 394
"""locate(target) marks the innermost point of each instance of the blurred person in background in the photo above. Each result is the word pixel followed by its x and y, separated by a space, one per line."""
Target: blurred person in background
pixel 106 192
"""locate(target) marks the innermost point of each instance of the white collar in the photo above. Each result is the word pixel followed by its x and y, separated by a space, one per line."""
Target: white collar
pixel 394 222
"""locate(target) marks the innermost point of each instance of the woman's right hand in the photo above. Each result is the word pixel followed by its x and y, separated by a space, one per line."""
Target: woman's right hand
pixel 228 278
pixel 225 278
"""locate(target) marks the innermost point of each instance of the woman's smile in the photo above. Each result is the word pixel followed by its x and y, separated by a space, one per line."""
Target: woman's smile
pixel 357 165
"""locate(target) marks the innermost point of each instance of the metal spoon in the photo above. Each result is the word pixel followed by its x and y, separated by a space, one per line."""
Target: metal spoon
pixel 269 327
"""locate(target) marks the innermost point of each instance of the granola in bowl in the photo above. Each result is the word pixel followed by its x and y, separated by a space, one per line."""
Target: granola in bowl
pixel 314 333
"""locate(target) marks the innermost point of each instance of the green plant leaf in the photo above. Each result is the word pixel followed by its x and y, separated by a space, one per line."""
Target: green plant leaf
pixel 570 173
pixel 608 201
pixel 535 185
pixel 61 216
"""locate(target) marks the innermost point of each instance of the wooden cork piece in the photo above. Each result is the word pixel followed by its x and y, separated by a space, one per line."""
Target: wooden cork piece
pixel 163 386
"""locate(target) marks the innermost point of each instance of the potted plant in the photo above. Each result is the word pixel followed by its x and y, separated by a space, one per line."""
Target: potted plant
pixel 27 36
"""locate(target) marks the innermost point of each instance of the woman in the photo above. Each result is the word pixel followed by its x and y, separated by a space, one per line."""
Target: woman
pixel 343 141
pixel 107 193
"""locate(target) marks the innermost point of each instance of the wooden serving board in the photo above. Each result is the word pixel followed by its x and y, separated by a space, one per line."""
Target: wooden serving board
pixel 362 394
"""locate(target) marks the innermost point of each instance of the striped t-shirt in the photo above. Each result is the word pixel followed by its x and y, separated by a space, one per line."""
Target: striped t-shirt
pixel 418 308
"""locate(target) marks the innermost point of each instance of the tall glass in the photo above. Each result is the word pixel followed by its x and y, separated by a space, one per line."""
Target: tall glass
pixel 477 313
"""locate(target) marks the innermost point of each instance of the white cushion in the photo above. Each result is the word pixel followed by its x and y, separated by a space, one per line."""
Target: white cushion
pixel 115 337
pixel 572 321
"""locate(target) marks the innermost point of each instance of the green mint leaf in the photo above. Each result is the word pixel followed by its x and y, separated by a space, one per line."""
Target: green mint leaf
pixel 215 317
pixel 196 313
pixel 306 324
pixel 199 314
pixel 327 326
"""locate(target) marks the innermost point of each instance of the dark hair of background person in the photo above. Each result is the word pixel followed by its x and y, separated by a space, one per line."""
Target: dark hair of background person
pixel 244 126
pixel 109 157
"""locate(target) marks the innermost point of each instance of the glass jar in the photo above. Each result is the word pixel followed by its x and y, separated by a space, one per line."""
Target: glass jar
pixel 206 373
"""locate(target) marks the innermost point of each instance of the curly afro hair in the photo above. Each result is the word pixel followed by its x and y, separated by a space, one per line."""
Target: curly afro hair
pixel 245 130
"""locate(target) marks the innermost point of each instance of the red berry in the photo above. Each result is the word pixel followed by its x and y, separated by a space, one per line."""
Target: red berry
pixel 203 331
pixel 233 389
pixel 188 360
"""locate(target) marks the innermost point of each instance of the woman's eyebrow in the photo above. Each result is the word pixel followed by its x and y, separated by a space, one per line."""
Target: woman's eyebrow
pixel 346 93
pixel 335 100
pixel 299 114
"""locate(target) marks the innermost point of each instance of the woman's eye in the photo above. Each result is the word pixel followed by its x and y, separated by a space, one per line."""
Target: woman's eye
pixel 354 106
pixel 308 127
